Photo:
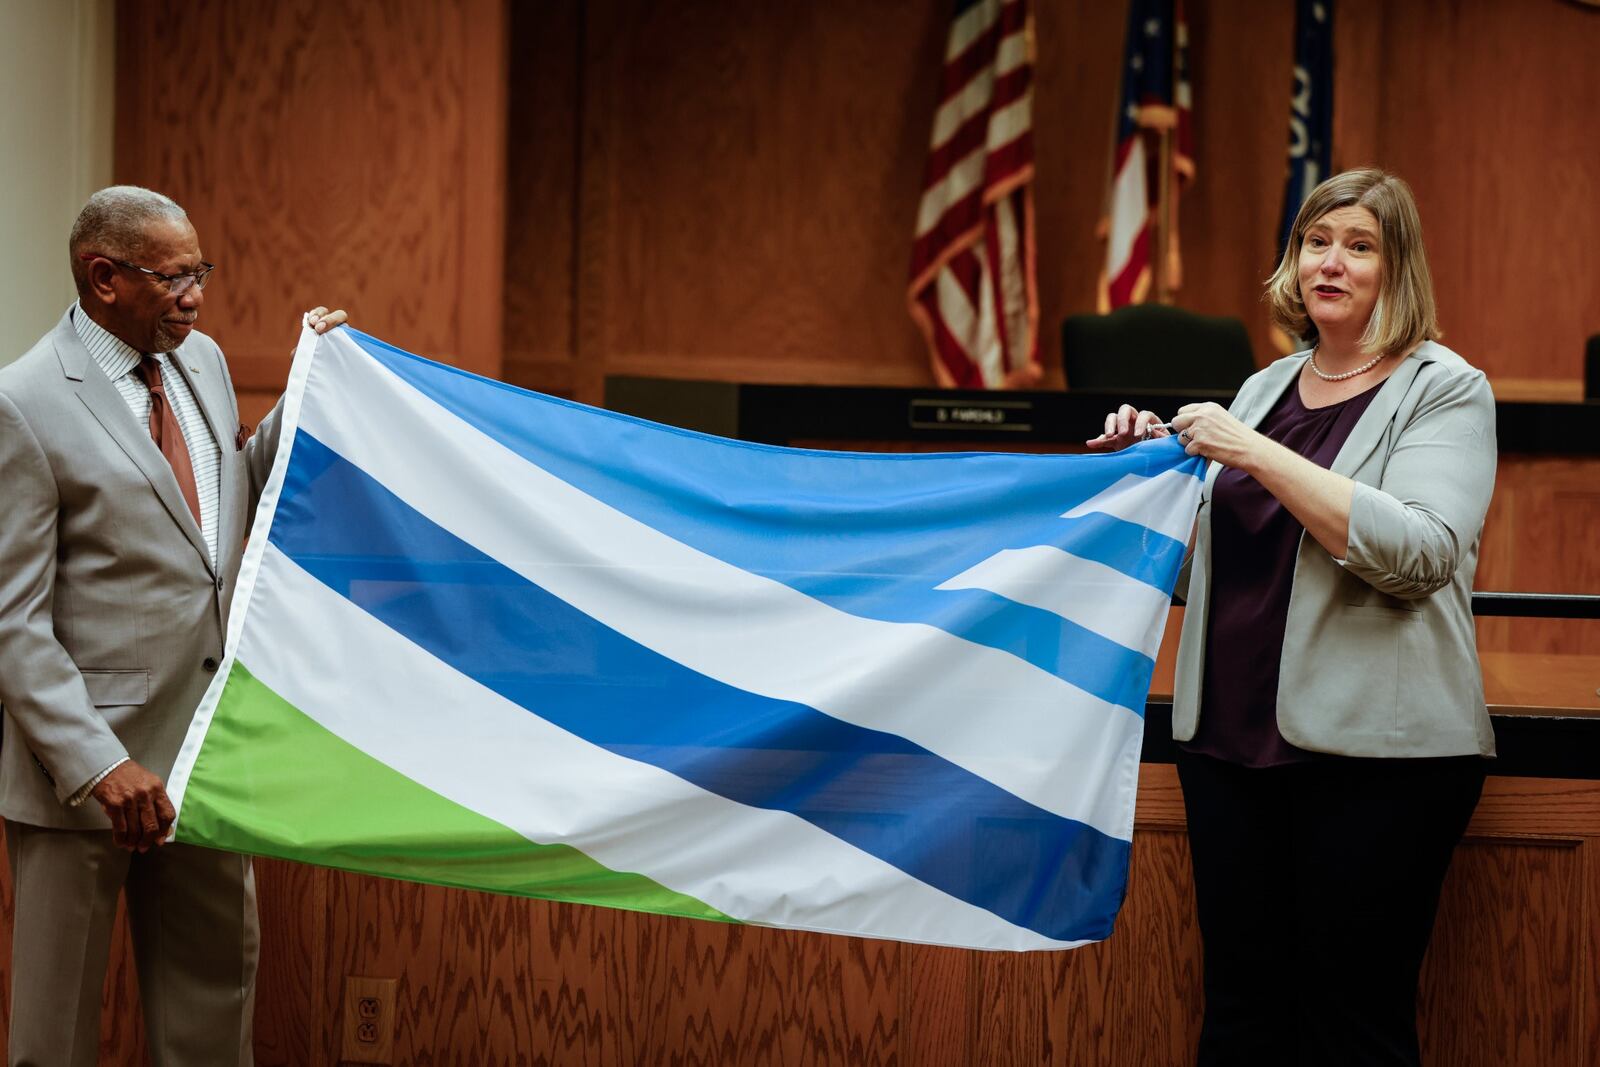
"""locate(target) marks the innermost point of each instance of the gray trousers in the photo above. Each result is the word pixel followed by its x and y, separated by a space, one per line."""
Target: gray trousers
pixel 192 912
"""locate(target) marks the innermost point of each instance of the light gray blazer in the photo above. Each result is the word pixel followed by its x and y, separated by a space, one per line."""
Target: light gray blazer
pixel 1380 654
pixel 110 607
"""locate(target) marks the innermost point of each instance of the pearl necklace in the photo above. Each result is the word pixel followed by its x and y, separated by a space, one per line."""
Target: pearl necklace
pixel 1373 362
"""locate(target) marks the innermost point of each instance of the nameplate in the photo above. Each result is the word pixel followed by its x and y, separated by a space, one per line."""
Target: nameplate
pixel 978 416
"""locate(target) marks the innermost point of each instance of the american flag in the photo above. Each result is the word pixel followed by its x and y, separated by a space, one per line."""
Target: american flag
pixel 972 265
pixel 1155 97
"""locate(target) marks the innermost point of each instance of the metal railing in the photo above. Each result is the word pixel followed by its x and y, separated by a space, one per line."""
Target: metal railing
pixel 1537 605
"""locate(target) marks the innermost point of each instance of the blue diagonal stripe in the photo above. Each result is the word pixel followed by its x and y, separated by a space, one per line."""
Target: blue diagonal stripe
pixel 1137 551
pixel 1080 656
pixel 914 521
pixel 880 792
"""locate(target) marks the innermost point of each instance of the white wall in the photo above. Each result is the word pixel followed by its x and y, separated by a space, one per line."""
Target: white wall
pixel 56 76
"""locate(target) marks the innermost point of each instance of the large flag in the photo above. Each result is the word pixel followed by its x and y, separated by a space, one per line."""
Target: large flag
pixel 1155 102
pixel 1310 110
pixel 973 291
pixel 491 639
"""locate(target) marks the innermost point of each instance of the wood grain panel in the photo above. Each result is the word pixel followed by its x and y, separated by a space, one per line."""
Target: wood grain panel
pixel 1588 1032
pixel 1501 983
pixel 465 964
pixel 342 153
pixel 1540 537
pixel 938 1004
pixel 1135 999
pixel 292 903
pixel 1075 99
pixel 1479 115
pixel 727 190
pixel 747 176
pixel 764 229
pixel 1228 219
pixel 1511 977
pixel 544 110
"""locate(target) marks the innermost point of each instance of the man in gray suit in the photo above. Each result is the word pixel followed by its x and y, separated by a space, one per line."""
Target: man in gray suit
pixel 129 485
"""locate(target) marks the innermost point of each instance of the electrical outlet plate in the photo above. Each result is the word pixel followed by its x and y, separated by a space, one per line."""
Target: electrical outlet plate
pixel 368 1020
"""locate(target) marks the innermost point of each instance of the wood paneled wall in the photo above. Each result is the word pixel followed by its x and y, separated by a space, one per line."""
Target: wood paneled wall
pixel 744 178
pixel 1542 537
pixel 725 190
pixel 1473 101
pixel 1512 979
pixel 342 153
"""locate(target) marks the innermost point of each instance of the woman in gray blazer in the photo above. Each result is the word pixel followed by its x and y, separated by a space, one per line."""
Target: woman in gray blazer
pixel 1328 697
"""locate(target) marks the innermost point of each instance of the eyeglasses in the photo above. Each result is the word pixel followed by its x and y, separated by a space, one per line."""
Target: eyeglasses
pixel 177 284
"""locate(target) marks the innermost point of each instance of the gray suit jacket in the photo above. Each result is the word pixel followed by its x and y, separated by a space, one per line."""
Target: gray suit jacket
pixel 1380 654
pixel 112 615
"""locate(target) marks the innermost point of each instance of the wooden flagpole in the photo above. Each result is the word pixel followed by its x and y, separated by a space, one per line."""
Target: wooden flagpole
pixel 1164 191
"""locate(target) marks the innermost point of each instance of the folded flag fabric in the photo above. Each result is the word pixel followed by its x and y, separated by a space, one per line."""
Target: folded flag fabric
pixel 491 639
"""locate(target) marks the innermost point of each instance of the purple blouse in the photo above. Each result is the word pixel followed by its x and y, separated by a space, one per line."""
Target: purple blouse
pixel 1254 542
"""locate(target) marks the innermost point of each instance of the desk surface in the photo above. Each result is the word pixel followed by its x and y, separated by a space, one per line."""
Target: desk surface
pixel 1534 684
pixel 1538 390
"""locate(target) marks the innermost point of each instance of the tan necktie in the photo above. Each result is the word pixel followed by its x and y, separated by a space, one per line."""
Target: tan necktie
pixel 168 435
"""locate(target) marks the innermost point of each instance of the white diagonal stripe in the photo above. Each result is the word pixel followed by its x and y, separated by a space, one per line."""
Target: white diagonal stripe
pixel 714 618
pixel 971 100
pixel 985 346
pixel 1010 122
pixel 976 94
pixel 1130 209
pixel 1083 591
pixel 957 184
pixel 1166 503
pixel 960 318
pixel 1005 126
pixel 628 815
pixel 1013 52
pixel 1013 285
pixel 973 23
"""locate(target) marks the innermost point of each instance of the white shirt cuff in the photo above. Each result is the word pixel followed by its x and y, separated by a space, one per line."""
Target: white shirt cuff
pixel 83 794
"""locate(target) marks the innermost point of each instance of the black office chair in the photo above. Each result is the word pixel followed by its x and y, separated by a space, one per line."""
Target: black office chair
pixel 1155 346
pixel 1591 369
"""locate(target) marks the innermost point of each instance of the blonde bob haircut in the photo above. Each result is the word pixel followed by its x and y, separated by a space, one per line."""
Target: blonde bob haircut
pixel 1404 315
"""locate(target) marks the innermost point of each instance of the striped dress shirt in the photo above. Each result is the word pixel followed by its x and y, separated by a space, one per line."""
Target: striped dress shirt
pixel 120 361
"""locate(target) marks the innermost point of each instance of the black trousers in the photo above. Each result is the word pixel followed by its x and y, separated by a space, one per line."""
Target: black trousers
pixel 1317 885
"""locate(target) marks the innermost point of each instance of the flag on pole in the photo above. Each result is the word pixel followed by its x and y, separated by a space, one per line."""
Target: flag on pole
pixel 490 639
pixel 973 291
pixel 1155 103
pixel 1310 122
pixel 1310 110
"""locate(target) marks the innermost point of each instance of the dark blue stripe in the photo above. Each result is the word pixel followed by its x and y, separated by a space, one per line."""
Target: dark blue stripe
pixel 1095 664
pixel 883 794
pixel 885 530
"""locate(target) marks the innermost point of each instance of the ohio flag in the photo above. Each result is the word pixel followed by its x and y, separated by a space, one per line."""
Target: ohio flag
pixel 491 639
